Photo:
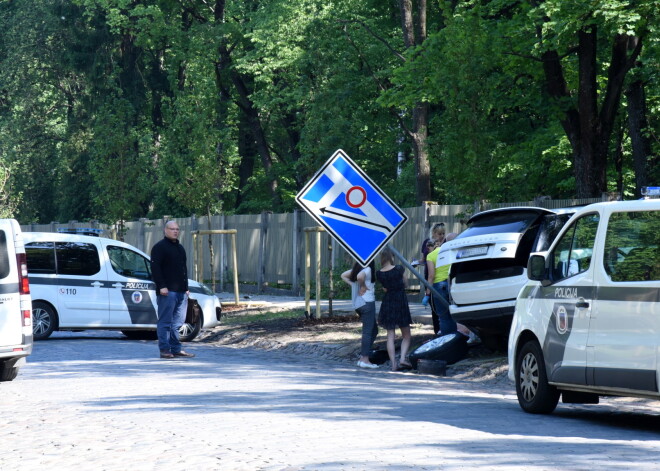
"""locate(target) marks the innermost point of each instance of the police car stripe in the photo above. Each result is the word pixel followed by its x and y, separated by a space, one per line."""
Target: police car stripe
pixel 610 293
pixel 62 281
pixel 9 288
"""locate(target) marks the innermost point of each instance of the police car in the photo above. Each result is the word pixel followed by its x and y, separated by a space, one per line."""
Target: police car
pixel 83 282
pixel 587 323
pixel 15 305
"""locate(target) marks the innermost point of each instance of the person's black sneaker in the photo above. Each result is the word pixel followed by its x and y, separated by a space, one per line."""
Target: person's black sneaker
pixel 183 354
pixel 165 354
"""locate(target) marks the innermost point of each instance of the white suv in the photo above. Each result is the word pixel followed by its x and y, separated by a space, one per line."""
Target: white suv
pixel 587 323
pixel 84 282
pixel 488 265
pixel 15 305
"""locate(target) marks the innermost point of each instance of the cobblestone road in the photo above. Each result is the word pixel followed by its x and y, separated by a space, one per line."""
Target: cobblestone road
pixel 97 401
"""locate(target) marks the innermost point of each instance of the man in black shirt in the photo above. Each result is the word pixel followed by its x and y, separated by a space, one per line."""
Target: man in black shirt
pixel 170 272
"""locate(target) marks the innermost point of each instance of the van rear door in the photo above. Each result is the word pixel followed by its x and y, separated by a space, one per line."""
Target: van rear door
pixel 11 318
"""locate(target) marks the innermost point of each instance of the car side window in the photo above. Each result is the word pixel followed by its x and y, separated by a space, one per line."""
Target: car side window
pixel 128 263
pixel 40 257
pixel 77 258
pixel 632 246
pixel 573 252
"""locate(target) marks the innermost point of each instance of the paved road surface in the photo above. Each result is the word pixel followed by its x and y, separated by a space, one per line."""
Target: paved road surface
pixel 93 401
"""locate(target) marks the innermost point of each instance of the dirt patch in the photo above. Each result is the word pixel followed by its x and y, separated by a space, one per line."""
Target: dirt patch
pixel 338 338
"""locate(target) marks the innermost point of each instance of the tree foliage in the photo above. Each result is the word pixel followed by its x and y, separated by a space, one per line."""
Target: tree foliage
pixel 120 109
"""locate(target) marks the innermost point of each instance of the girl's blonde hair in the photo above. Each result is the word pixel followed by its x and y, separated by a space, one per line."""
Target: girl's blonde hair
pixel 438 227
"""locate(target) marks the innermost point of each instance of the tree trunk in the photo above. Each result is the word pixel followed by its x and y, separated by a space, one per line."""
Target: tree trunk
pixel 637 123
pixel 588 130
pixel 247 151
pixel 414 33
pixel 247 106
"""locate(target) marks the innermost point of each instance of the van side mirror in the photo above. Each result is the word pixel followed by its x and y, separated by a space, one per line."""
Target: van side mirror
pixel 536 269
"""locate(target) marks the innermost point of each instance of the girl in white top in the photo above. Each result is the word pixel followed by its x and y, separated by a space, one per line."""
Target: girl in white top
pixel 362 284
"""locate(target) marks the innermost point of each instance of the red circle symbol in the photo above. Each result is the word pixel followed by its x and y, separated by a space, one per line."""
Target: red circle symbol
pixel 356 196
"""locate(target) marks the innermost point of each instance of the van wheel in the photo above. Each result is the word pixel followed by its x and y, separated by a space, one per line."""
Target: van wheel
pixel 7 373
pixel 44 320
pixel 534 393
pixel 187 332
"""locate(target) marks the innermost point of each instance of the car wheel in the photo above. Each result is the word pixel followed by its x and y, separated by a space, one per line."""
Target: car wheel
pixel 534 393
pixel 449 348
pixel 7 373
pixel 187 332
pixel 44 320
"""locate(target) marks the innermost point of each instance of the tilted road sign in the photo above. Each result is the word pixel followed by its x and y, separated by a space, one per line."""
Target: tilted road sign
pixel 344 200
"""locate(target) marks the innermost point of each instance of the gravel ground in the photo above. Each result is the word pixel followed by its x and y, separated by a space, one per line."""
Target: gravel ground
pixel 338 338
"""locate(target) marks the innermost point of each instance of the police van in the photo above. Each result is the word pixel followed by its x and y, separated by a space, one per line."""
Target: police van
pixel 587 323
pixel 15 305
pixel 81 282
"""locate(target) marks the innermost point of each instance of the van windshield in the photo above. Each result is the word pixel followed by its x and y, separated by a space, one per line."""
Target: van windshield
pixel 504 222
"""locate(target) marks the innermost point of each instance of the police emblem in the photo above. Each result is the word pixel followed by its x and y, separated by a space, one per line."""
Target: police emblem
pixel 561 317
pixel 136 297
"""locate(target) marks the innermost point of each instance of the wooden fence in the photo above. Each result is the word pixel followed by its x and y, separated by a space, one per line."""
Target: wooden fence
pixel 271 246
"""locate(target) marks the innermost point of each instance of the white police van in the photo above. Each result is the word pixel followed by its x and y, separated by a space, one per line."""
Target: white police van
pixel 15 305
pixel 81 282
pixel 587 323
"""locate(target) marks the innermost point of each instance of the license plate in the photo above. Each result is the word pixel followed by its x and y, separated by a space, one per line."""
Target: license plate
pixel 472 252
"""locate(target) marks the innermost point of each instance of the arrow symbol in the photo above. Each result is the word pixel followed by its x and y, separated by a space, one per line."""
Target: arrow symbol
pixel 363 221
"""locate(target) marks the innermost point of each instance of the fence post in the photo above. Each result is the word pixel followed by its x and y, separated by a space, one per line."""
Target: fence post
pixel 262 251
pixel 295 269
pixel 223 262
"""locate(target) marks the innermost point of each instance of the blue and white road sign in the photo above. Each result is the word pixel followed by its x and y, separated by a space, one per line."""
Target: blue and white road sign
pixel 351 207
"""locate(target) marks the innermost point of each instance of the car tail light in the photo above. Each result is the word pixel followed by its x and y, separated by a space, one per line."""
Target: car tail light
pixel 23 283
pixel 24 289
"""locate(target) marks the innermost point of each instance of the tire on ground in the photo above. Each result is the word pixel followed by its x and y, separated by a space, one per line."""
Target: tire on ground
pixel 188 332
pixel 534 393
pixel 7 373
pixel 44 320
pixel 450 348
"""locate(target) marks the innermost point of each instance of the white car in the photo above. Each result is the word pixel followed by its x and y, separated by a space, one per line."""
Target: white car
pixel 587 322
pixel 488 265
pixel 15 305
pixel 81 282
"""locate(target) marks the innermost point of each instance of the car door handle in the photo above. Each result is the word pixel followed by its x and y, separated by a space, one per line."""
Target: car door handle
pixel 582 304
pixel 117 285
pixel 97 284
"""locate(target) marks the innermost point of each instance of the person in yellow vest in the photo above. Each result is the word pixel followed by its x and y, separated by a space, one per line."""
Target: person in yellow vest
pixel 437 277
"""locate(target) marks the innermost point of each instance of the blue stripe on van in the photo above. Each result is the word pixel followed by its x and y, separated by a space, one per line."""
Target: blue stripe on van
pixel 9 288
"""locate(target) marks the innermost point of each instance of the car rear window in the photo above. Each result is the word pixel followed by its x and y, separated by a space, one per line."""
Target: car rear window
pixel 505 222
pixel 4 256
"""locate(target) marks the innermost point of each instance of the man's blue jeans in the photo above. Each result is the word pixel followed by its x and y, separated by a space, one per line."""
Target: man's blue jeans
pixel 445 323
pixel 171 315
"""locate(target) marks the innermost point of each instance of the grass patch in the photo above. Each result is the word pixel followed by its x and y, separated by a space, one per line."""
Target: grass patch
pixel 246 318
